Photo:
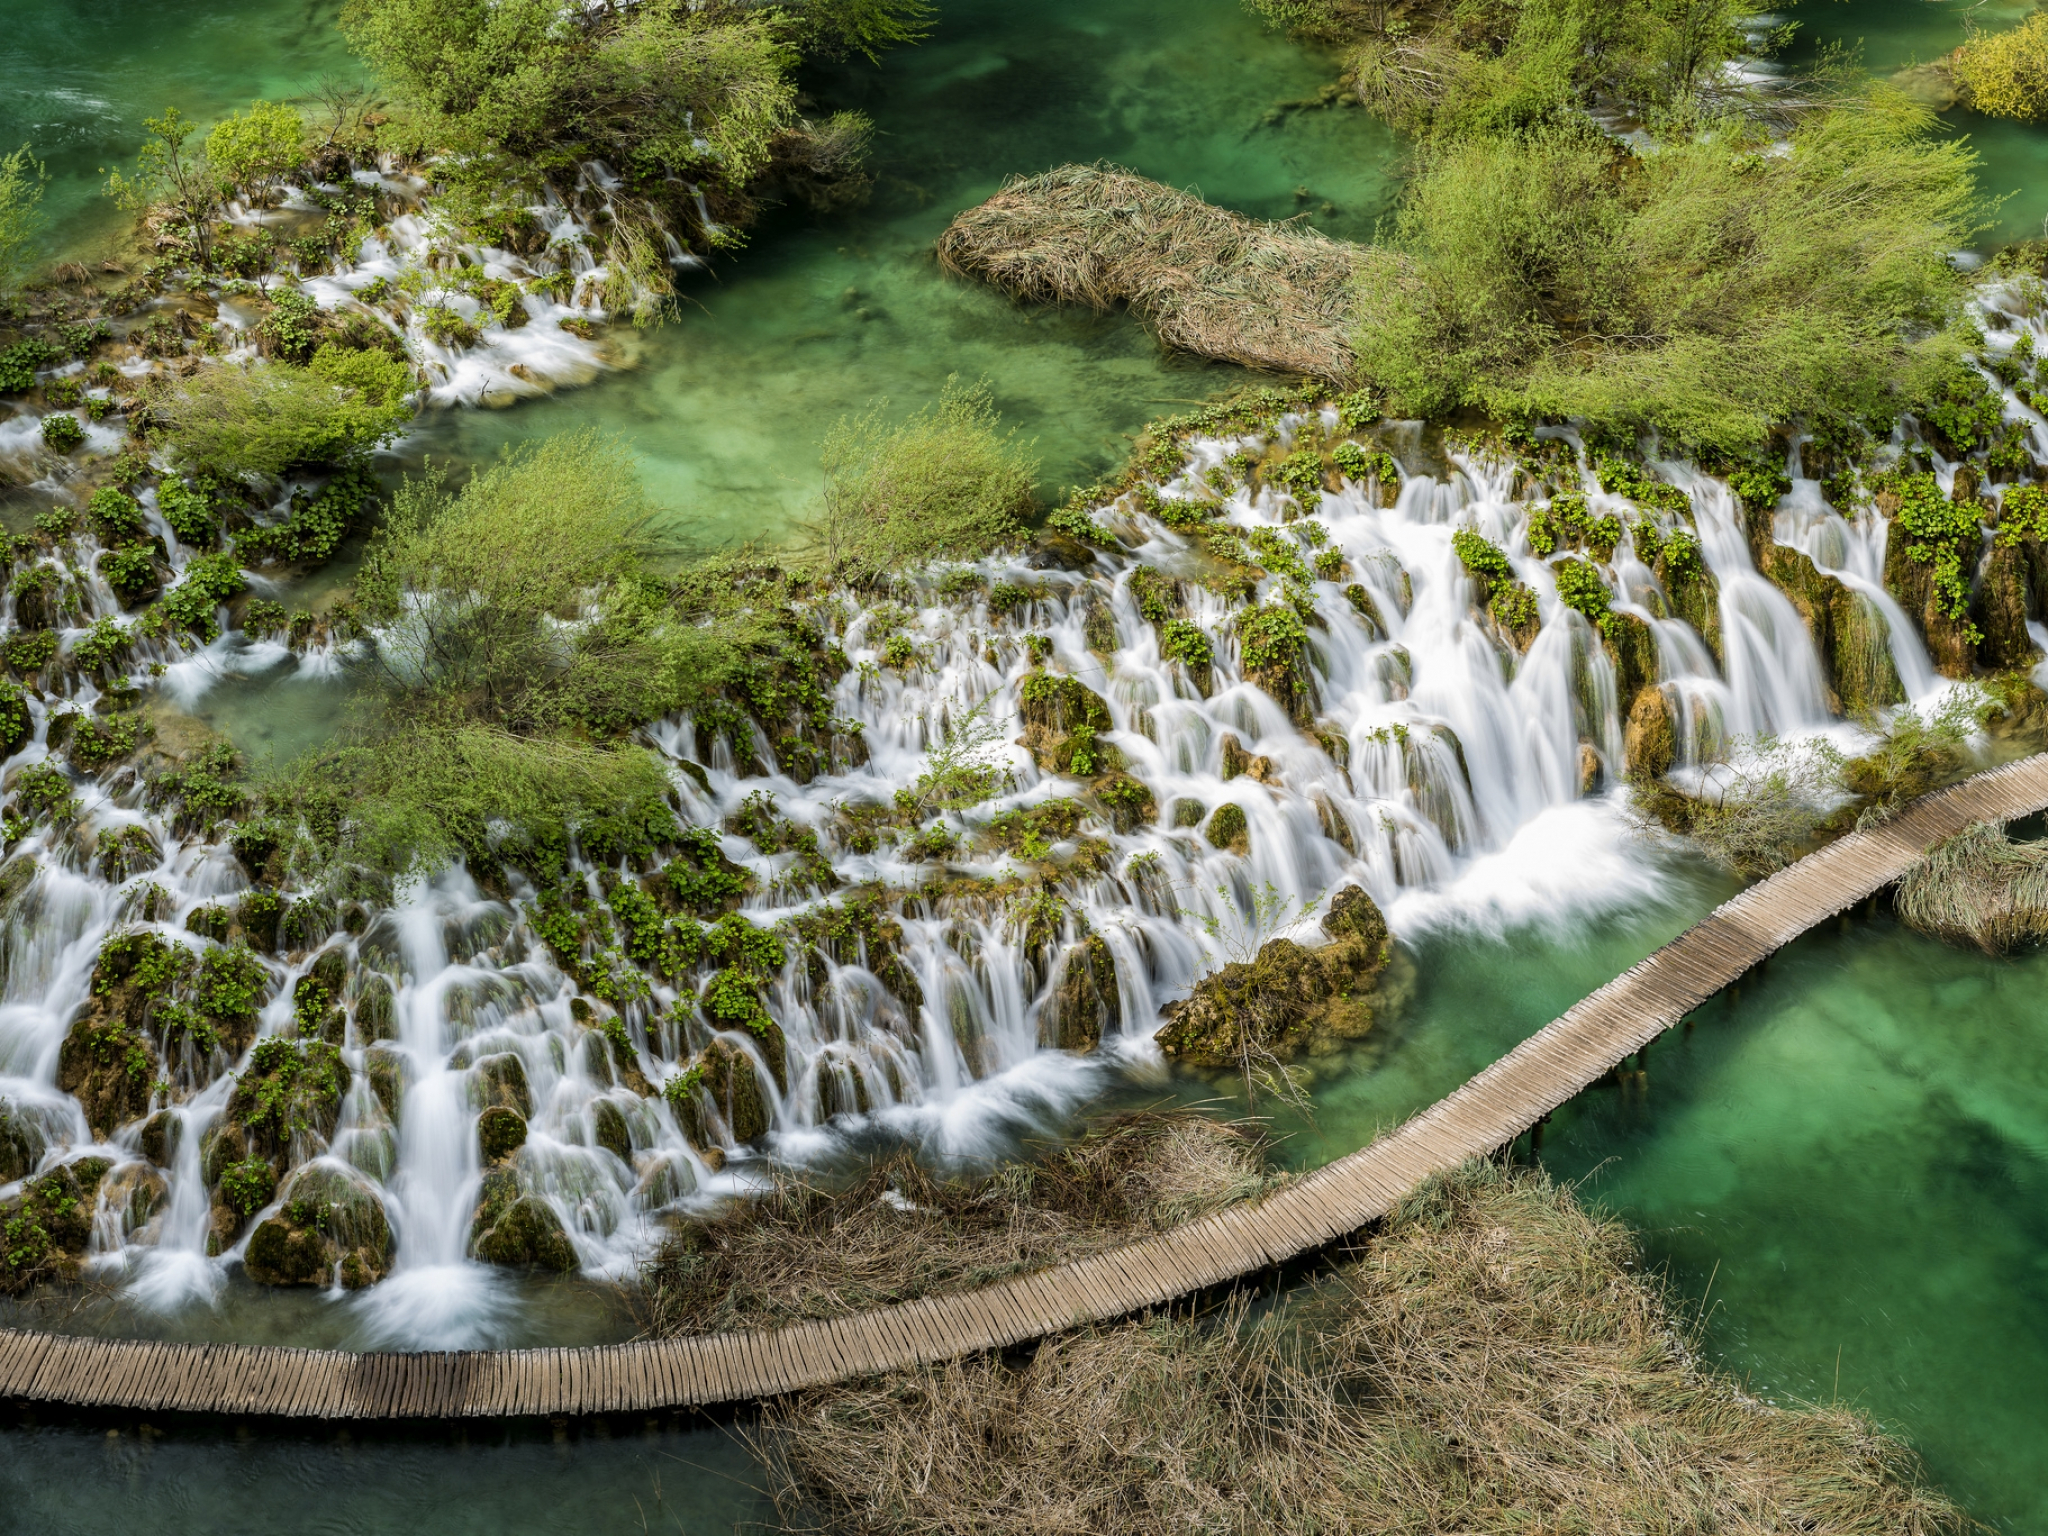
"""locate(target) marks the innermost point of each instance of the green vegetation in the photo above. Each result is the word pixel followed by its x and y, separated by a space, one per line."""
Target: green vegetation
pixel 258 148
pixel 1709 291
pixel 947 481
pixel 22 178
pixel 232 422
pixel 2005 74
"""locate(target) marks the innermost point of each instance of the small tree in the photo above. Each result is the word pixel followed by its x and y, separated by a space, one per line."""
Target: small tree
pixel 22 179
pixel 169 175
pixel 253 151
pixel 2005 74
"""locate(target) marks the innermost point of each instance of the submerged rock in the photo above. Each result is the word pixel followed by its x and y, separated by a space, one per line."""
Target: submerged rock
pixel 1275 1004
pixel 329 1229
pixel 516 1229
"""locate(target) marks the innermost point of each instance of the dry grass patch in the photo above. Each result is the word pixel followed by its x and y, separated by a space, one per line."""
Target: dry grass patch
pixel 1495 1360
pixel 1979 888
pixel 1209 281
pixel 806 1251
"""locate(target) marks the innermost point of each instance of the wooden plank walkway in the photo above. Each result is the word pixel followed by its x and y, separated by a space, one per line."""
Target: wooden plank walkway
pixel 1485 1114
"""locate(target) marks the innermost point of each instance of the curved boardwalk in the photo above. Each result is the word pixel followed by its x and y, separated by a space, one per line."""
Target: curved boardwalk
pixel 1485 1114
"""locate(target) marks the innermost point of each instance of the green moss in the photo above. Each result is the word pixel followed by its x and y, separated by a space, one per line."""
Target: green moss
pixel 290 1089
pixel 1228 828
pixel 1183 641
pixel 1271 639
pixel 247 1186
pixel 516 1229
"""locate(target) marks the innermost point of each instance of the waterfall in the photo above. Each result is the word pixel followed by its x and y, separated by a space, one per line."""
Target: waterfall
pixel 1419 753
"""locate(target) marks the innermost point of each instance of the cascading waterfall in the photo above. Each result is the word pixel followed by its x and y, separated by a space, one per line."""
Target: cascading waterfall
pixel 1420 753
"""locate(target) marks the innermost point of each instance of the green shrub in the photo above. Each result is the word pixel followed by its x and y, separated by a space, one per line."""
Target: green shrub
pixel 232 422
pixel 62 431
pixel 1183 641
pixel 946 482
pixel 1270 638
pixel 115 515
pixel 188 508
pixel 1481 557
pixel 256 148
pixel 2005 74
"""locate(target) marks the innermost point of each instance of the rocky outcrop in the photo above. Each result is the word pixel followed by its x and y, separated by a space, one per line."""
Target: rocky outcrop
pixel 1912 582
pixel 1848 631
pixel 1277 1003
pixel 726 1076
pixel 1649 739
pixel 1062 719
pixel 2001 605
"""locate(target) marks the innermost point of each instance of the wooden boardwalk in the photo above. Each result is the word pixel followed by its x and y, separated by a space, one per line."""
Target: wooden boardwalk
pixel 1485 1114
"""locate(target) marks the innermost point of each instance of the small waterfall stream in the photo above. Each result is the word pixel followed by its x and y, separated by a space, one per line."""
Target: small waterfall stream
pixel 1458 778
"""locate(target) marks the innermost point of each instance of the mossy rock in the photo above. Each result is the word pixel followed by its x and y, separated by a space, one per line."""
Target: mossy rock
pixel 1912 582
pixel 1696 598
pixel 1085 1003
pixel 516 1229
pixel 1631 645
pixel 389 1072
pixel 1228 829
pixel 1128 801
pixel 726 1075
pixel 329 1228
pixel 1275 1004
pixel 45 1228
pixel 1062 719
pixel 17 725
pixel 258 915
pixel 160 1135
pixel 501 1079
pixel 609 1127
pixel 106 1064
pixel 215 923
pixel 291 1091
pixel 16 876
pixel 2000 607
pixel 858 929
pixel 499 1133
pixel 1650 740
pixel 1189 813
pixel 375 1010
pixel 22 1144
pixel 316 998
pixel 125 852
pixel 1362 603
pixel 137 1192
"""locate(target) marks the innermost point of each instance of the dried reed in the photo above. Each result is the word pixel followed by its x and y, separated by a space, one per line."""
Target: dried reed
pixel 1493 1361
pixel 801 1250
pixel 1210 281
pixel 1980 888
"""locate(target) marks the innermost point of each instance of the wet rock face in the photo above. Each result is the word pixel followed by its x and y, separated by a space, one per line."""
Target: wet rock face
pixel 1279 1002
pixel 328 1229
pixel 732 1082
pixel 2000 608
pixel 1649 739
pixel 499 1133
pixel 516 1229
pixel 1085 1004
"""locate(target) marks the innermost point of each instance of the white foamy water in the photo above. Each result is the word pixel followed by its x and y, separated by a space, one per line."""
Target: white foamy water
pixel 1434 766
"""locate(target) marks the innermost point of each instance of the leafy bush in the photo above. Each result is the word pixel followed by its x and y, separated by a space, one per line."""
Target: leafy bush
pixel 188 508
pixel 1746 285
pixel 2005 74
pixel 62 431
pixel 115 515
pixel 256 148
pixel 1481 557
pixel 1270 638
pixel 264 421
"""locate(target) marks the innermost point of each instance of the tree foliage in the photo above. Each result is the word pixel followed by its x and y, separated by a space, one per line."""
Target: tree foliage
pixel 22 179
pixel 232 421
pixel 2005 74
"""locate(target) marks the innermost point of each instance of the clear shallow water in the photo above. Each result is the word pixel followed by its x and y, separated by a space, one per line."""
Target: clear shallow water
pixel 586 1479
pixel 727 405
pixel 1848 1160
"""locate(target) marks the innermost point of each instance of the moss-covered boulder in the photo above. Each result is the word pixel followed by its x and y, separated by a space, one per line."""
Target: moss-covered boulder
pixel 44 1228
pixel 1912 582
pixel 1275 1004
pixel 1694 594
pixel 610 1130
pixel 387 1069
pixel 1649 739
pixel 2001 606
pixel 516 1229
pixel 159 1137
pixel 289 1096
pixel 1228 829
pixel 375 1011
pixel 329 1228
pixel 1085 1003
pixel 501 1080
pixel 860 930
pixel 1062 720
pixel 317 1010
pixel 16 723
pixel 109 1066
pixel 499 1133
pixel 1127 801
pixel 1848 630
pixel 22 1144
pixel 723 1078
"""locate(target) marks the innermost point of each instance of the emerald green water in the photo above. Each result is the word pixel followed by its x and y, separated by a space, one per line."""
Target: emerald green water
pixel 1846 1162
